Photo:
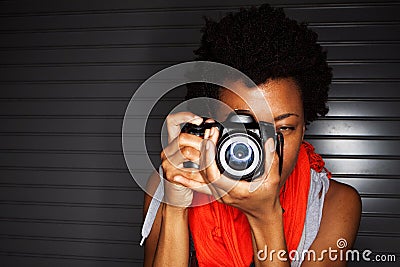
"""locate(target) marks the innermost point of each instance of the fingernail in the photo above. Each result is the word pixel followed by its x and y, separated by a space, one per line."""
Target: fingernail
pixel 212 131
pixel 177 179
pixel 206 134
pixel 197 120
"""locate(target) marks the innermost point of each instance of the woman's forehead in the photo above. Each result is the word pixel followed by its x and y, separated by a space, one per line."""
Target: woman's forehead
pixel 282 96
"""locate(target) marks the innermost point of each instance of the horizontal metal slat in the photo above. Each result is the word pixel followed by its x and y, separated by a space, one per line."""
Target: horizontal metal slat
pixel 366 70
pixel 98 55
pixel 89 90
pixel 88 73
pixel 368 186
pixel 363 166
pixel 50 260
pixel 349 127
pixel 388 70
pixel 131 55
pixel 356 147
pixel 72 214
pixel 378 206
pixel 75 196
pixel 357 90
pixel 176 17
pixel 358 33
pixel 377 224
pixel 124 19
pixel 69 178
pixel 348 90
pixel 90 8
pixel 377 244
pixel 75 231
pixel 347 13
pixel 69 161
pixel 80 249
pixel 112 37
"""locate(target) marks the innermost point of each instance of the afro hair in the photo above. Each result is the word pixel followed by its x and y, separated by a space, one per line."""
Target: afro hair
pixel 264 44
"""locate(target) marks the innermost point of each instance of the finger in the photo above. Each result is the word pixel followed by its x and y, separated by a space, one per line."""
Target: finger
pixel 199 186
pixel 209 156
pixel 214 135
pixel 271 167
pixel 206 160
pixel 220 185
pixel 206 134
pixel 183 155
pixel 269 151
pixel 187 177
pixel 271 161
pixel 183 140
pixel 175 120
pixel 170 173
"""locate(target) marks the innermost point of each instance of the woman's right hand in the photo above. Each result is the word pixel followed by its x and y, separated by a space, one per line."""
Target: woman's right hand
pixel 182 147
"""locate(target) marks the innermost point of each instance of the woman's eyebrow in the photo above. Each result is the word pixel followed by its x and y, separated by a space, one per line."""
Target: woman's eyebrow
pixel 284 116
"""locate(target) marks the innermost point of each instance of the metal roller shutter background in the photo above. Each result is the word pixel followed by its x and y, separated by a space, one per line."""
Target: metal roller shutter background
pixel 68 70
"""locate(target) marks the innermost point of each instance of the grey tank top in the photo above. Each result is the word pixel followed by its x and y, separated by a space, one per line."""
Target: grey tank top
pixel 319 185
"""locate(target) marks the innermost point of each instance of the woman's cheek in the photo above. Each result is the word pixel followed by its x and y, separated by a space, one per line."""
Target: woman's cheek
pixel 290 154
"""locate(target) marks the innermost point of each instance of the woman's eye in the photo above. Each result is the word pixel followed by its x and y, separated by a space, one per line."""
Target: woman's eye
pixel 283 129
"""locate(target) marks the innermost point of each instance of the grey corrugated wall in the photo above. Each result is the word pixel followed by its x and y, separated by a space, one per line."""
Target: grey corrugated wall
pixel 68 70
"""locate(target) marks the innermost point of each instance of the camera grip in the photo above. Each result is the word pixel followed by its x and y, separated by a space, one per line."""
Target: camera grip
pixel 267 130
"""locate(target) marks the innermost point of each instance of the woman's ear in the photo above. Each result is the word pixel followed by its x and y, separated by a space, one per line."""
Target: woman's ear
pixel 304 131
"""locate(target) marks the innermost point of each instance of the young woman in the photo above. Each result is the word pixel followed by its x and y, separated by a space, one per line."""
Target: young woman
pixel 300 209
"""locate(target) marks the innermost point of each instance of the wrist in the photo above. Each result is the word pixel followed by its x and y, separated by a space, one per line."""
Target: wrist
pixel 175 210
pixel 266 216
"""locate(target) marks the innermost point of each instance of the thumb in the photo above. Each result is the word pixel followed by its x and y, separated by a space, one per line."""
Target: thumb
pixel 271 160
pixel 271 165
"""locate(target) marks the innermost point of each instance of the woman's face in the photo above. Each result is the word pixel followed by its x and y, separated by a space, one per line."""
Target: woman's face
pixel 284 99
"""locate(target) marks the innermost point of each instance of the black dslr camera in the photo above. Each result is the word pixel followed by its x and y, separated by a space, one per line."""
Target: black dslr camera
pixel 240 146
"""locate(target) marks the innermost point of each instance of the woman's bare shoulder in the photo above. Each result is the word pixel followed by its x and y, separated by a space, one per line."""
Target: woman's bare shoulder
pixel 341 213
pixel 343 195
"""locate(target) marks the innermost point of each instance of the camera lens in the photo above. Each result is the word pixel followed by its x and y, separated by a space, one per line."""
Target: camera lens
pixel 239 156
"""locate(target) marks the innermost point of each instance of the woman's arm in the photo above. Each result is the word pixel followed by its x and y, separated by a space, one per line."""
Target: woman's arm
pixel 167 243
pixel 173 244
pixel 269 245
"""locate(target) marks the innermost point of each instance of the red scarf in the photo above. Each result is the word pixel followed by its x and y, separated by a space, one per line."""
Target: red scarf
pixel 221 233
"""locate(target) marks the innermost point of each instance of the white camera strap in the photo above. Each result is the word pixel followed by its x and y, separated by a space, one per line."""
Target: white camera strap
pixel 153 208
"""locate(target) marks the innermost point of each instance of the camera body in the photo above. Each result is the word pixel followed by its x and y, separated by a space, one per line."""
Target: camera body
pixel 240 147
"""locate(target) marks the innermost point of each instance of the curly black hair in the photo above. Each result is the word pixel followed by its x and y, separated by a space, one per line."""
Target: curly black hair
pixel 264 44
